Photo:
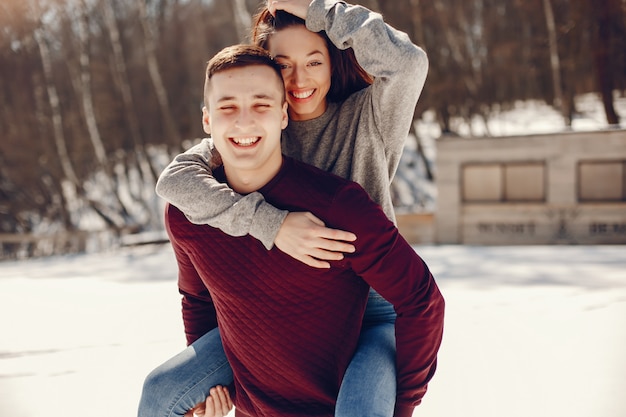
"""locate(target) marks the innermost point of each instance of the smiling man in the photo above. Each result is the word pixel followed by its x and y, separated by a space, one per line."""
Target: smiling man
pixel 245 112
pixel 289 330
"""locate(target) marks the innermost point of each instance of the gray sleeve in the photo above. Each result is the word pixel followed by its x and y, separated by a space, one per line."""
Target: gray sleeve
pixel 399 67
pixel 188 183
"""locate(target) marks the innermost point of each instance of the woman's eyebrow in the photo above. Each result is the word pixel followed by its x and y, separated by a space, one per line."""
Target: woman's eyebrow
pixel 317 51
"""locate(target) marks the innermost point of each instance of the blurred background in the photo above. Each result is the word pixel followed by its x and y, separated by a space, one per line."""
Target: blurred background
pixel 97 96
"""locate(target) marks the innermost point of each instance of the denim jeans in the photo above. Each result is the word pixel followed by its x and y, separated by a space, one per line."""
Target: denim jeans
pixel 368 388
pixel 183 381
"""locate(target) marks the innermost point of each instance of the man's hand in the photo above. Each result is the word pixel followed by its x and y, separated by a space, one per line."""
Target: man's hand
pixel 304 237
pixel 217 404
pixel 295 7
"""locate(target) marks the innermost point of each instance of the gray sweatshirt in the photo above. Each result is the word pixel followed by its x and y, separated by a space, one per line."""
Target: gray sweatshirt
pixel 361 138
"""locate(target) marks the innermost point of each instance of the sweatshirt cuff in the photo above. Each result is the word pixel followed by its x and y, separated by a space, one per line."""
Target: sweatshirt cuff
pixel 402 410
pixel 266 223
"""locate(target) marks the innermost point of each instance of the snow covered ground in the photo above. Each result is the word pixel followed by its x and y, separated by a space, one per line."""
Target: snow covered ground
pixel 530 331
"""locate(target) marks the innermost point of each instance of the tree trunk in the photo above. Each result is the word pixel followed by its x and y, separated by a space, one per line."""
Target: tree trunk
pixel 455 46
pixel 243 20
pixel 555 63
pixel 57 130
pixel 602 56
pixel 418 24
pixel 155 75
pixel 57 120
pixel 85 91
pixel 120 75
pixel 116 214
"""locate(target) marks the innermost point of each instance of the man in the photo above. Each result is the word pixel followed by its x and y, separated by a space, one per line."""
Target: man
pixel 288 330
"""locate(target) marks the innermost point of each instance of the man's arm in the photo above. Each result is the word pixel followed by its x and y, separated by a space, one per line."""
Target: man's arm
pixel 199 315
pixel 390 265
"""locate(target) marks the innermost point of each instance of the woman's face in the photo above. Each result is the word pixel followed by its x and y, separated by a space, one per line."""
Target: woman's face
pixel 306 67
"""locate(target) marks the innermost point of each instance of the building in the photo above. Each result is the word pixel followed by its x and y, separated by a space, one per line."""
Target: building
pixel 567 188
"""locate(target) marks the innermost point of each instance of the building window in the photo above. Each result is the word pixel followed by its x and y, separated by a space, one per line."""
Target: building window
pixel 600 181
pixel 504 182
pixel 482 183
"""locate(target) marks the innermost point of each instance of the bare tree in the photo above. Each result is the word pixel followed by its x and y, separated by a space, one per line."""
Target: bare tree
pixel 455 37
pixel 555 63
pixel 150 43
pixel 120 76
pixel 85 89
pixel 57 115
pixel 604 13
pixel 243 19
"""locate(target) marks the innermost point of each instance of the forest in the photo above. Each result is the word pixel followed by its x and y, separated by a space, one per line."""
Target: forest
pixel 96 96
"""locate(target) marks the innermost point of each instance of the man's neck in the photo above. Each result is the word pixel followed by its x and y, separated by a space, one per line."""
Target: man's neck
pixel 248 181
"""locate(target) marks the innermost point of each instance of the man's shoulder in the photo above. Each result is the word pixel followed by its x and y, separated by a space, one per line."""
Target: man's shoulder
pixel 313 171
pixel 315 179
pixel 319 188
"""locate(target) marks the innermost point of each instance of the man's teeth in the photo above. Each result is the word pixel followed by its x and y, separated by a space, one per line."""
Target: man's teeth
pixel 245 141
pixel 302 94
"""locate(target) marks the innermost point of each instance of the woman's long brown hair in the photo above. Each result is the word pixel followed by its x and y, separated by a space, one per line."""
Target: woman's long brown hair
pixel 347 75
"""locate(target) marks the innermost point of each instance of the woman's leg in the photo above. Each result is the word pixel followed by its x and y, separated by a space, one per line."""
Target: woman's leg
pixel 368 388
pixel 179 384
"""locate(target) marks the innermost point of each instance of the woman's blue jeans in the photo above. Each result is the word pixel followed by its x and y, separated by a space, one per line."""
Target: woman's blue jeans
pixel 368 387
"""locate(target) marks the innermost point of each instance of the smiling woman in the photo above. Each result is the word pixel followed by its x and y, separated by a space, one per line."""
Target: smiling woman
pixel 305 63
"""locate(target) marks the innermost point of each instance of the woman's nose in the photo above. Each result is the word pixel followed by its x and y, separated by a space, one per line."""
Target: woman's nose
pixel 299 75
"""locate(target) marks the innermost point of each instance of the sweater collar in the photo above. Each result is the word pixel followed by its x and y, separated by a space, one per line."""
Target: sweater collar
pixel 316 123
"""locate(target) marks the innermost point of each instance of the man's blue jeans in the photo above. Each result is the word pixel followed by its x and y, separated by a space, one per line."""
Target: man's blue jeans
pixel 368 387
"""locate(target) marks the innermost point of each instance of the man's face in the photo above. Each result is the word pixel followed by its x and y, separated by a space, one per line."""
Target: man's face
pixel 306 68
pixel 245 117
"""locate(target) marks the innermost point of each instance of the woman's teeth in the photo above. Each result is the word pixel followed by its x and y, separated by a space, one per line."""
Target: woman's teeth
pixel 302 94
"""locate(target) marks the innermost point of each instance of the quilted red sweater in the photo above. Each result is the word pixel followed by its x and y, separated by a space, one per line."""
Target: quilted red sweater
pixel 290 330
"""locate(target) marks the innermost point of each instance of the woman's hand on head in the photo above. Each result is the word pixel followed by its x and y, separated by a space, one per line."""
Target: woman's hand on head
pixel 305 237
pixel 217 404
pixel 295 7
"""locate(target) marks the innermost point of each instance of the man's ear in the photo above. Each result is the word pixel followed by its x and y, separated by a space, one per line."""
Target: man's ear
pixel 285 120
pixel 206 120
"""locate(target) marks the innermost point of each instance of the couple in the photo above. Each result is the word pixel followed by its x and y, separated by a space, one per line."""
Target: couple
pixel 300 339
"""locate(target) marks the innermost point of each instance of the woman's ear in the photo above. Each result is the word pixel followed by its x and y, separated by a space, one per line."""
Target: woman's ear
pixel 206 121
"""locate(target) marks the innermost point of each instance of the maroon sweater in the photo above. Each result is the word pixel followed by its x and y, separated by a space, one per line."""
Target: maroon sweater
pixel 289 330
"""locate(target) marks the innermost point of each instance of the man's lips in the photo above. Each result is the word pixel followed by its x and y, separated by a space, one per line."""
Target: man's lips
pixel 245 141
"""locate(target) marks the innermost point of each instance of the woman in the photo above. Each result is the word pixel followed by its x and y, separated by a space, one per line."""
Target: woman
pixel 339 123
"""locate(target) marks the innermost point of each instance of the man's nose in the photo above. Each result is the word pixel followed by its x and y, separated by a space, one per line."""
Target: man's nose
pixel 244 118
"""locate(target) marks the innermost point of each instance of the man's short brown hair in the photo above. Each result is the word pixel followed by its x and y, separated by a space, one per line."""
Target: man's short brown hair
pixel 238 56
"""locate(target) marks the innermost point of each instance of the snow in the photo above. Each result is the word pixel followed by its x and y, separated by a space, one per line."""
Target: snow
pixel 530 331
